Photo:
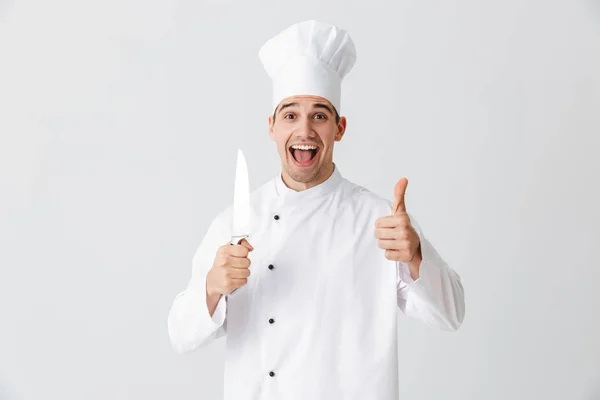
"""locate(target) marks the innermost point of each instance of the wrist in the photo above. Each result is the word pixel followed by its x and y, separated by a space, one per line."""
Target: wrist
pixel 210 292
pixel 415 264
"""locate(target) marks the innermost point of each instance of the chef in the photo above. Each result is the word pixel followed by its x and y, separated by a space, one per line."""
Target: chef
pixel 328 264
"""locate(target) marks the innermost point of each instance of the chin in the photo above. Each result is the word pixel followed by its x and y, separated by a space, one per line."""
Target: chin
pixel 304 174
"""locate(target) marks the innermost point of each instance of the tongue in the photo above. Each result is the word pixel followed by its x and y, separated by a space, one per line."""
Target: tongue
pixel 303 156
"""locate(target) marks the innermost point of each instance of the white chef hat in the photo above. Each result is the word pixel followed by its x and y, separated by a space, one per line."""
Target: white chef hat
pixel 308 58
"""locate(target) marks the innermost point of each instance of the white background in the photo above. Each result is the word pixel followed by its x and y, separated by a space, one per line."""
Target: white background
pixel 120 122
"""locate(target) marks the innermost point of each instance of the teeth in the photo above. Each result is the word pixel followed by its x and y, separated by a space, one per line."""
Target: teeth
pixel 304 147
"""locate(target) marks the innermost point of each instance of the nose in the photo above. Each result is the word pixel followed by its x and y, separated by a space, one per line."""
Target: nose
pixel 304 128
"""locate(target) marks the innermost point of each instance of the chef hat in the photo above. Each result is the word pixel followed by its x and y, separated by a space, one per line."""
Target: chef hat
pixel 308 58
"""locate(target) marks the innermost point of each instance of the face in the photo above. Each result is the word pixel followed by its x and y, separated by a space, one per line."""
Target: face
pixel 305 131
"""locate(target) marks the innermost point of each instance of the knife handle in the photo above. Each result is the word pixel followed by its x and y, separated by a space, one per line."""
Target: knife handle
pixel 238 239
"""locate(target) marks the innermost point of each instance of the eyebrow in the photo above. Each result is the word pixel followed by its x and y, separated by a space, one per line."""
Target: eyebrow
pixel 316 105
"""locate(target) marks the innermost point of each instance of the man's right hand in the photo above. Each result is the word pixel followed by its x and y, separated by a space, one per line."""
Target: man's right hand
pixel 230 269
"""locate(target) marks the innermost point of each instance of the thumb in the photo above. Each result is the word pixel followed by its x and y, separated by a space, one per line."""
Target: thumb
pixel 399 192
pixel 242 242
pixel 246 244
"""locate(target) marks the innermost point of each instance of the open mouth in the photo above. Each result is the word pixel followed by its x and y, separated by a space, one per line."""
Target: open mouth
pixel 304 154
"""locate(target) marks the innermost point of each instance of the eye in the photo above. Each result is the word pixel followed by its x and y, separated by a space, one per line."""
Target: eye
pixel 288 116
pixel 320 116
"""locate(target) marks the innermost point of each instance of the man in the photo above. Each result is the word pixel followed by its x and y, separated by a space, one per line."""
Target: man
pixel 329 263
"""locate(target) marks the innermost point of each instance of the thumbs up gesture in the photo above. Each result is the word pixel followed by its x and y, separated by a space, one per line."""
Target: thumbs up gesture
pixel 395 233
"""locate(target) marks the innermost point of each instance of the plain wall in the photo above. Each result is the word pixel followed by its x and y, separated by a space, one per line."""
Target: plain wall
pixel 119 124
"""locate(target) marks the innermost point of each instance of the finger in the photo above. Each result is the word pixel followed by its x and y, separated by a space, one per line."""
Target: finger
pixel 403 254
pixel 390 221
pixel 237 273
pixel 234 284
pixel 387 233
pixel 399 193
pixel 238 283
pixel 393 255
pixel 239 262
pixel 388 244
pixel 237 250
pixel 394 244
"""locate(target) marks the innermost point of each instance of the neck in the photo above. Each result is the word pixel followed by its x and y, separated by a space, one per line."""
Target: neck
pixel 321 177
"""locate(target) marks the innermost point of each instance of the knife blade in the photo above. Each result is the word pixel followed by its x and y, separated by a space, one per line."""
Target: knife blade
pixel 241 201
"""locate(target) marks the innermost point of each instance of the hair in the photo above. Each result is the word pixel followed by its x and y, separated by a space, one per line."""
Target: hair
pixel 337 115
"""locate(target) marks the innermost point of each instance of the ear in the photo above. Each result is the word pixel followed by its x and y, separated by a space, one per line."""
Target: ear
pixel 341 129
pixel 271 130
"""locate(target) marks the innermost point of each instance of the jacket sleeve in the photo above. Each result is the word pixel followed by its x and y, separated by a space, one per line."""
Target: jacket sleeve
pixel 189 322
pixel 437 296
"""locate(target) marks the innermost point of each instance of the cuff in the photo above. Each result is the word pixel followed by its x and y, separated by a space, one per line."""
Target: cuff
pixel 428 258
pixel 218 317
pixel 199 294
pixel 428 270
pixel 405 275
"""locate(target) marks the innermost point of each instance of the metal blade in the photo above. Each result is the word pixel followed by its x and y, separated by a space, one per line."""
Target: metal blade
pixel 241 198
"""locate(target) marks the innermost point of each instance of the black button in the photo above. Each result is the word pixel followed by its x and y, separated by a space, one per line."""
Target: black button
pixel 271 373
pixel 271 266
pixel 271 320
pixel 276 217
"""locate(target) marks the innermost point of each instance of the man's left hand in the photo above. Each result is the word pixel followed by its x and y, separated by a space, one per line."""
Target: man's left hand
pixel 396 234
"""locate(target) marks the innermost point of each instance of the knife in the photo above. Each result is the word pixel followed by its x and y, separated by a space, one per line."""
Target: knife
pixel 241 202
